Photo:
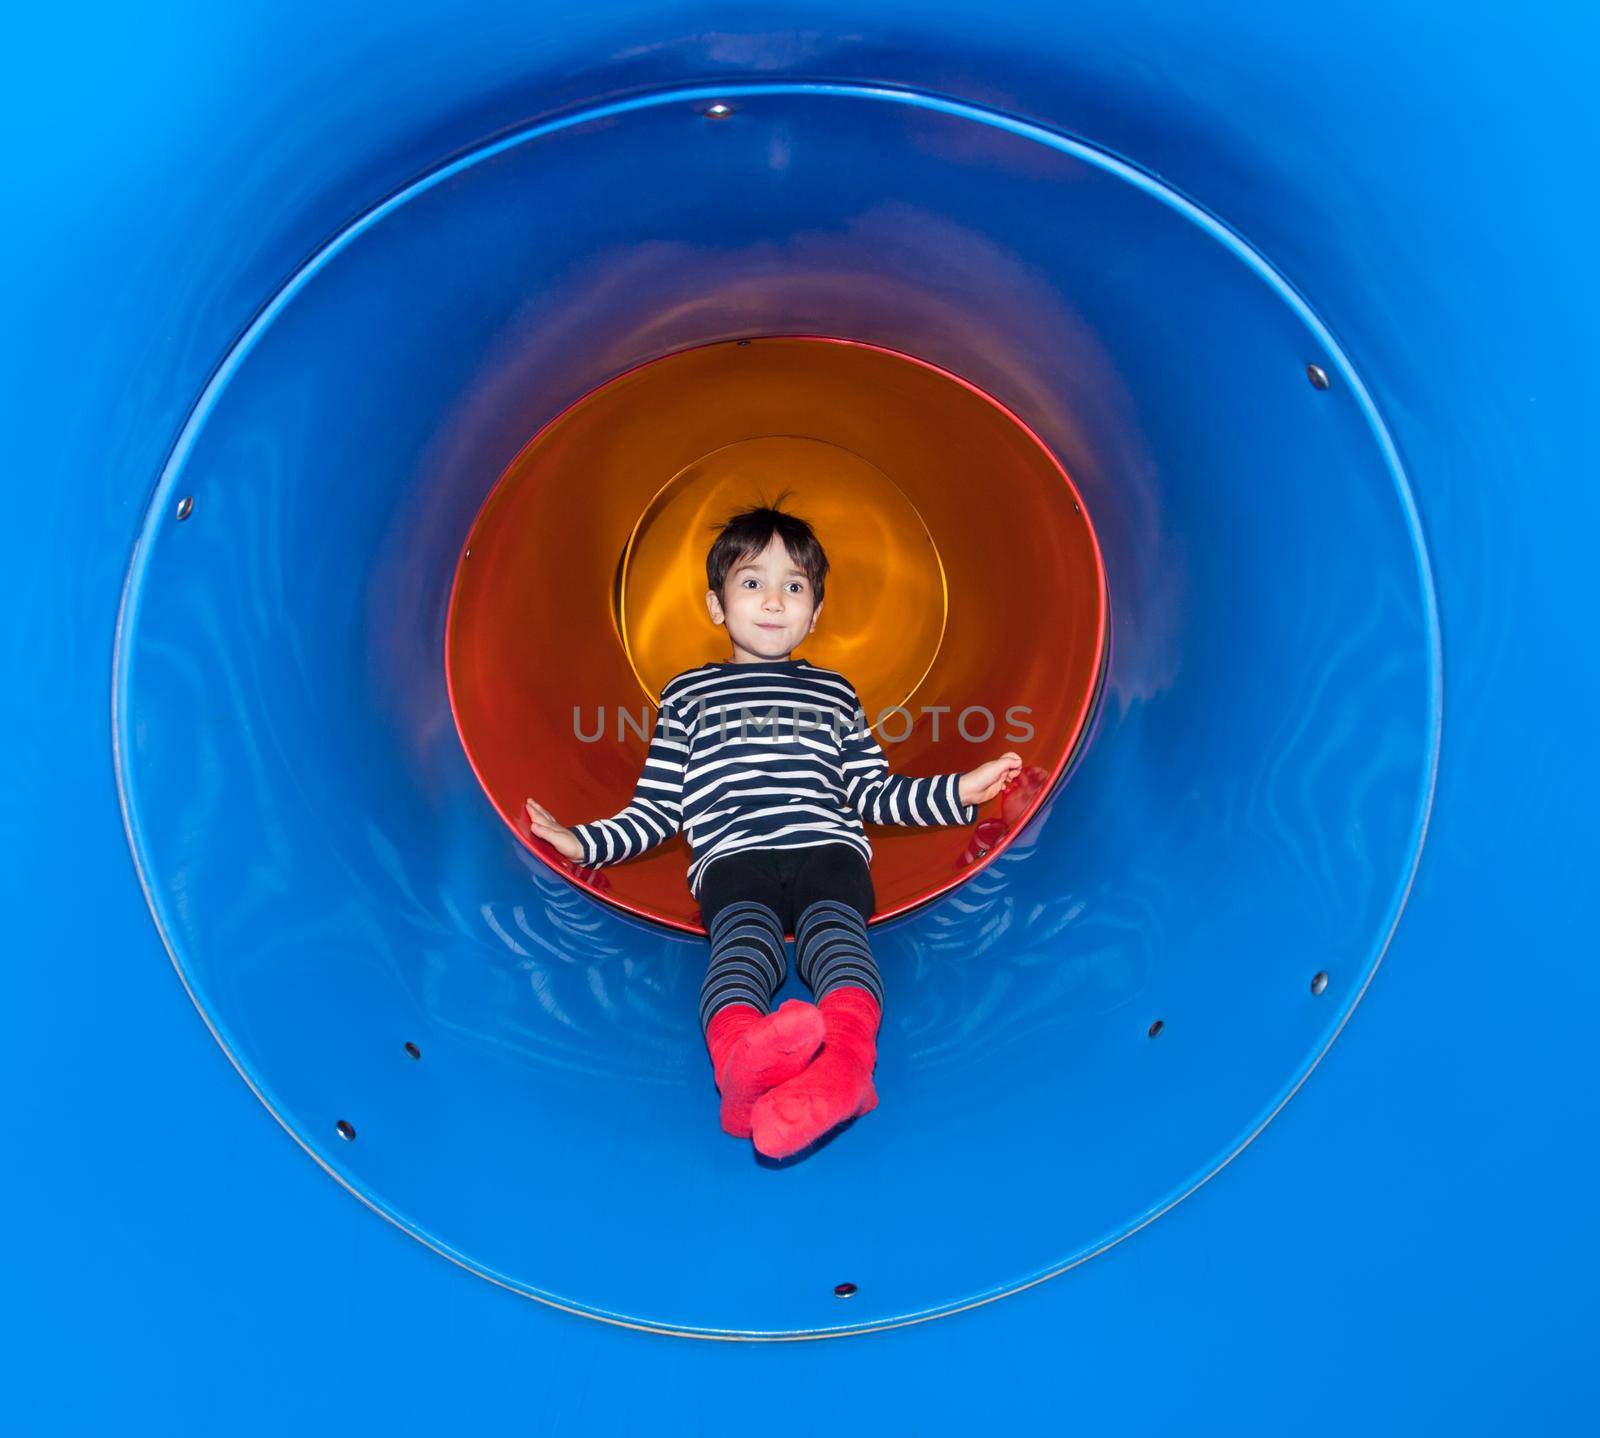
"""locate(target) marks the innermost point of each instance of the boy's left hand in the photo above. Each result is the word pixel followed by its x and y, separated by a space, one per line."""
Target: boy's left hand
pixel 981 784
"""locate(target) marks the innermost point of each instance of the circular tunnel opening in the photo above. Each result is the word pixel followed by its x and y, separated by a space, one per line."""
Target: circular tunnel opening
pixel 965 597
pixel 1244 809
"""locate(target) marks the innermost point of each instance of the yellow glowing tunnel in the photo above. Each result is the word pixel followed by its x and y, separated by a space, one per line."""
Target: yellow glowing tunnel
pixel 965 601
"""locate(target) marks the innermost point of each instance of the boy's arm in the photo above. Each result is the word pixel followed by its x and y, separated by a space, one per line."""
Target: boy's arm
pixel 655 813
pixel 884 798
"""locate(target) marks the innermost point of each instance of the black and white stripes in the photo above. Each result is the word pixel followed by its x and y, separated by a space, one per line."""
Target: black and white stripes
pixel 770 755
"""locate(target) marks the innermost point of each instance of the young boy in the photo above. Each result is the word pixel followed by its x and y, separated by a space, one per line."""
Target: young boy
pixel 768 766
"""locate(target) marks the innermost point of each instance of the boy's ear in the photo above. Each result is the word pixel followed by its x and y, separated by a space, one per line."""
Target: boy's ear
pixel 714 605
pixel 816 614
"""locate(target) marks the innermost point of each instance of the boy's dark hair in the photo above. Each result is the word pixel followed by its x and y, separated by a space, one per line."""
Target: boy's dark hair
pixel 747 534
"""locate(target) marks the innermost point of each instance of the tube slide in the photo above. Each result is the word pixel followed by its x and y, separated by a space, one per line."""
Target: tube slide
pixel 385 466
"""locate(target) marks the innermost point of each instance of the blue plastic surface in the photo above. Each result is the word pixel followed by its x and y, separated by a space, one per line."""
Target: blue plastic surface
pixel 1136 231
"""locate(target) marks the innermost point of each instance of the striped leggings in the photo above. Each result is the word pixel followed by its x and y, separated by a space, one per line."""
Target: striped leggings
pixel 748 901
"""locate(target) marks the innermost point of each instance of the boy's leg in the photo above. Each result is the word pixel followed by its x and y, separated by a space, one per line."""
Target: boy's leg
pixel 741 897
pixel 833 897
pixel 751 1049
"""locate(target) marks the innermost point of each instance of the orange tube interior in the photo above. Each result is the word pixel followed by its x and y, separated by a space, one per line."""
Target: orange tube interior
pixel 581 590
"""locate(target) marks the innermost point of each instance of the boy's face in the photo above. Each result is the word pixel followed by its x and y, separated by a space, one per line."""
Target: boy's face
pixel 766 604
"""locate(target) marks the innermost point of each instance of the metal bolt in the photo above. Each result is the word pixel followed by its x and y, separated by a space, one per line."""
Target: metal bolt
pixel 345 1131
pixel 186 506
pixel 1320 982
pixel 743 343
pixel 1156 1027
pixel 1317 375
pixel 844 1290
pixel 719 111
pixel 981 851
pixel 413 1050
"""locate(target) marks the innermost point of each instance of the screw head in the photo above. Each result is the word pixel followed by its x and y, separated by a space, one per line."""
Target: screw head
pixel 186 506
pixel 1156 1027
pixel 345 1131
pixel 413 1050
pixel 844 1290
pixel 1318 376
pixel 719 111
pixel 1320 983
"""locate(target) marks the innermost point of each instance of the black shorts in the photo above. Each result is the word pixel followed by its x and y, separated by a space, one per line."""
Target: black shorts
pixel 788 881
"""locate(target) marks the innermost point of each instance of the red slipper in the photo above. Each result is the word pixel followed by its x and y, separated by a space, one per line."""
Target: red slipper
pixel 835 1087
pixel 752 1052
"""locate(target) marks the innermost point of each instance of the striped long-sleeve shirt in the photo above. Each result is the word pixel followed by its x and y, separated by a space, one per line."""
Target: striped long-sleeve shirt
pixel 771 755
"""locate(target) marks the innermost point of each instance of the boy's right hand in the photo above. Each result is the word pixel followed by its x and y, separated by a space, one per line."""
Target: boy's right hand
pixel 544 826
